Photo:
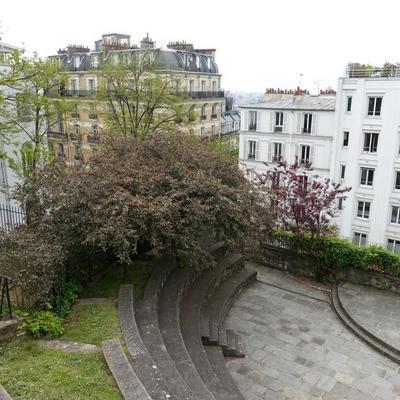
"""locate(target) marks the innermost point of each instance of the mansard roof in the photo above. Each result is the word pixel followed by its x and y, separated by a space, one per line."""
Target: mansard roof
pixel 312 103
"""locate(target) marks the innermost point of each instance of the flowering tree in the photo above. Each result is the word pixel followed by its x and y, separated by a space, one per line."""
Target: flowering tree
pixel 301 202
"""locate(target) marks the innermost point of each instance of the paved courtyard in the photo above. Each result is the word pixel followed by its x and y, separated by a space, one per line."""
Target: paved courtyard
pixel 297 349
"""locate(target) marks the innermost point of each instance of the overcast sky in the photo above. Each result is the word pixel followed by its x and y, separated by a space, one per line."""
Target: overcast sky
pixel 259 44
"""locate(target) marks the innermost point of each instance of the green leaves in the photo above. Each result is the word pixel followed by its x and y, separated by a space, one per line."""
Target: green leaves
pixel 44 323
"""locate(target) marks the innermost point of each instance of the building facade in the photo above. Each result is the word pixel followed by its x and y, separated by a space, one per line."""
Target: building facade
pixel 195 70
pixel 287 124
pixel 367 155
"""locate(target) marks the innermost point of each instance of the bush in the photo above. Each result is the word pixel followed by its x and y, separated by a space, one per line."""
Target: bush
pixel 44 323
pixel 335 255
pixel 35 262
pixel 65 297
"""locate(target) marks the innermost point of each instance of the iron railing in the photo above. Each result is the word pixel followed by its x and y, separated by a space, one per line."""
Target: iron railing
pixel 372 72
pixel 5 300
pixel 11 217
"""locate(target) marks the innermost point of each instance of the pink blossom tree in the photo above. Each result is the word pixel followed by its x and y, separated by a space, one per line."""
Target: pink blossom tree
pixel 301 202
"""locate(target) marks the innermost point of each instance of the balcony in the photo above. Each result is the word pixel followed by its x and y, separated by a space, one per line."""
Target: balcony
pixel 219 94
pixel 56 135
pixel 93 116
pixel 278 129
pixel 362 71
pixel 214 116
pixel 252 127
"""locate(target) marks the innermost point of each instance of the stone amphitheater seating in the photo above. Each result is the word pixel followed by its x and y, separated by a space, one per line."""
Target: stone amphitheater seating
pixel 175 335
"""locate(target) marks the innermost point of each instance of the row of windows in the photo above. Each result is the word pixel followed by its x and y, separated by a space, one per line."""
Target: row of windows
pixel 361 239
pixel 370 144
pixel 307 121
pixel 364 208
pixel 367 176
pixel 374 105
pixel 304 152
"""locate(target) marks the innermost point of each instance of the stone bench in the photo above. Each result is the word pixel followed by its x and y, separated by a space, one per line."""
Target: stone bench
pixel 190 325
pixel 129 384
pixel 140 359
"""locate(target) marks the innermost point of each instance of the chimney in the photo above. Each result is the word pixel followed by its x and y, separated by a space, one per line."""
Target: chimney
pixel 73 48
pixel 182 45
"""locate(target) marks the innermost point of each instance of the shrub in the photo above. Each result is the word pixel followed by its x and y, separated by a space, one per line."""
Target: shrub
pixel 44 323
pixel 65 296
pixel 34 261
pixel 335 255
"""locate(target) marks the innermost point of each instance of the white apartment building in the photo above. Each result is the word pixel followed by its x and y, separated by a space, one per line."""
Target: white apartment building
pixel 366 155
pixel 7 175
pixel 287 125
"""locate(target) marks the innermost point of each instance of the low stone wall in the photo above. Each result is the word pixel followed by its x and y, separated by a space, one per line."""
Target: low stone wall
pixel 288 260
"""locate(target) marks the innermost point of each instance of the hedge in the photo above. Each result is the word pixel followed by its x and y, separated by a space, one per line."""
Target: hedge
pixel 336 255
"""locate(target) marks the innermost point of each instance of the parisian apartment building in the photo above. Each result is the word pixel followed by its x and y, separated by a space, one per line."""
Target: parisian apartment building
pixel 195 69
pixel 352 136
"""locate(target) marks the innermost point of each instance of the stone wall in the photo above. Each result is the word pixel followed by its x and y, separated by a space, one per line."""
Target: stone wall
pixel 288 260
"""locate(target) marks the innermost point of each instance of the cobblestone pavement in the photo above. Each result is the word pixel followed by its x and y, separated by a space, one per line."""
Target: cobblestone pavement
pixel 376 310
pixel 297 349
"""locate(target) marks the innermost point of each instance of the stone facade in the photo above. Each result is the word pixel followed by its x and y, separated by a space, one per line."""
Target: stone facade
pixel 194 70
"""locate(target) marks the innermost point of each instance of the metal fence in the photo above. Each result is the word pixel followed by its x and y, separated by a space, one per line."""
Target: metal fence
pixel 11 217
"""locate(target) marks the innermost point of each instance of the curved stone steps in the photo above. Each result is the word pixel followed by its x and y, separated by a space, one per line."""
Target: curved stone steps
pixel 216 358
pixel 3 394
pixel 168 320
pixel 129 384
pixel 370 339
pixel 147 322
pixel 220 303
pixel 139 359
pixel 192 303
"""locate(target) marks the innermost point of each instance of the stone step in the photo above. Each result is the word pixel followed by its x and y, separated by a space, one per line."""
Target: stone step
pixel 226 267
pixel 222 300
pixel 3 394
pixel 233 347
pixel 376 343
pixel 217 360
pixel 192 303
pixel 129 384
pixel 168 319
pixel 139 359
pixel 146 317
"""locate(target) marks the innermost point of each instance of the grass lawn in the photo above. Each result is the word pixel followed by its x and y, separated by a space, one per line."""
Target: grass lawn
pixel 31 372
pixel 92 323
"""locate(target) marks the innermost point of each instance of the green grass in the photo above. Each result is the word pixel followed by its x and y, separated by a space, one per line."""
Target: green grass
pixel 108 283
pixel 92 323
pixel 29 371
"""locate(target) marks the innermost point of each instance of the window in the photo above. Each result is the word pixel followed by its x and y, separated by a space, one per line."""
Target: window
pixel 92 85
pixel 397 181
pixel 346 135
pixel 363 209
pixel 340 203
pixel 203 86
pixel 393 245
pixel 77 129
pixel 191 85
pixel 74 87
pixel 202 132
pixel 367 176
pixel 305 152
pixel 395 217
pixel 203 114
pixel 60 150
pixel 359 239
pixel 252 120
pixel 277 154
pixel 342 171
pixel 251 153
pixel 374 106
pixel 214 86
pixel 307 123
pixel 370 142
pixel 348 105
pixel 278 121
